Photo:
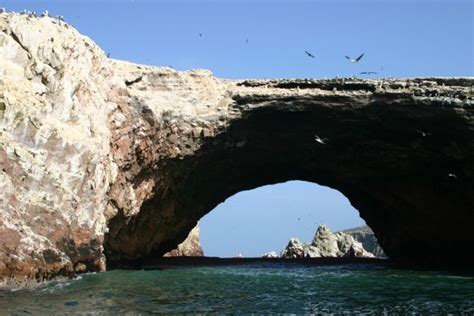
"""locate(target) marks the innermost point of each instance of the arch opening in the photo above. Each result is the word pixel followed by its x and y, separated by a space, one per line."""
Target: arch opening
pixel 263 220
pixel 372 154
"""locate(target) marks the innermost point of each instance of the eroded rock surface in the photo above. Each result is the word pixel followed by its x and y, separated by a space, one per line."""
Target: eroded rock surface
pixel 190 247
pixel 99 156
pixel 56 161
pixel 326 244
pixel 366 237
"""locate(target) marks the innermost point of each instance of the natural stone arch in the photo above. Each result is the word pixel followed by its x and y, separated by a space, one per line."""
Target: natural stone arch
pixel 375 155
pixel 91 146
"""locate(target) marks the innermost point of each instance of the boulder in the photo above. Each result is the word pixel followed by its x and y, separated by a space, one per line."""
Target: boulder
pixel 294 249
pixel 326 242
pixel 356 250
pixel 366 237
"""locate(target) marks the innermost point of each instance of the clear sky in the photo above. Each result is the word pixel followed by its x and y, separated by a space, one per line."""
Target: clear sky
pixel 407 38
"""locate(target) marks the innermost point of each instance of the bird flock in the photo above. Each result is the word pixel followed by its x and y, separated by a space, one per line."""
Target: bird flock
pixel 33 14
pixel 318 139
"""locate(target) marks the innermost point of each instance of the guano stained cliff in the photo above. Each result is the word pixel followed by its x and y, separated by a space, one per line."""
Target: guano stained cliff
pixel 103 161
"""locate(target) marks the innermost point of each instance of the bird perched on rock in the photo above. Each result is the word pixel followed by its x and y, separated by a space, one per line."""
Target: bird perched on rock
pixel 309 54
pixel 45 13
pixel 320 140
pixel 2 10
pixel 355 60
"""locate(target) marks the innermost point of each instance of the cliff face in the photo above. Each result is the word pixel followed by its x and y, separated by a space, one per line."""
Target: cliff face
pixel 106 157
pixel 190 247
pixel 326 244
pixel 55 154
pixel 366 237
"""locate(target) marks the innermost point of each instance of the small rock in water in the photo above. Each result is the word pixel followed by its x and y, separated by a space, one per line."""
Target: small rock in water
pixel 71 303
pixel 271 254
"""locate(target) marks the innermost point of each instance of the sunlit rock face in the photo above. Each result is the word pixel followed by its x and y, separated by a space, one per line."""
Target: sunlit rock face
pixel 325 244
pixel 190 247
pixel 56 163
pixel 365 236
pixel 106 157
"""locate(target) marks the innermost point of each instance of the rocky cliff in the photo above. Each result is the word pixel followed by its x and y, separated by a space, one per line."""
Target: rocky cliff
pixel 366 237
pixel 105 161
pixel 326 244
pixel 190 247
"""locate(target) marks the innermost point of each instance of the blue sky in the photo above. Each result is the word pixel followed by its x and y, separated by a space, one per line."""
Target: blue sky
pixel 407 38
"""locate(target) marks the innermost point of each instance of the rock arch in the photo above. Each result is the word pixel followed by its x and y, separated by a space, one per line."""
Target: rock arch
pixel 262 132
pixel 99 155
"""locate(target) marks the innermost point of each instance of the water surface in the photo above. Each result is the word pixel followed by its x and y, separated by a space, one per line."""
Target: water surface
pixel 250 288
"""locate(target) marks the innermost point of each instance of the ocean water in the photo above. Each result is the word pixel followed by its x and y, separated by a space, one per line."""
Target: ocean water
pixel 250 288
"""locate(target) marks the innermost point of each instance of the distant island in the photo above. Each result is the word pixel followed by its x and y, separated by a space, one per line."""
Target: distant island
pixel 351 243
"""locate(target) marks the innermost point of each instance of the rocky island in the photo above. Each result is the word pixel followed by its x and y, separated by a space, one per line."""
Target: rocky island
pixel 105 161
pixel 326 244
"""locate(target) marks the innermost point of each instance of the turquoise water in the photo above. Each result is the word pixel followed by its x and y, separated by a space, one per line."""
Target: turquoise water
pixel 251 288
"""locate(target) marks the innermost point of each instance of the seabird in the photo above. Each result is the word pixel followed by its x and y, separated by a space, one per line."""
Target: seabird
pixel 320 140
pixel 108 55
pixel 452 176
pixel 200 34
pixel 356 60
pixel 309 54
pixel 2 10
pixel 368 73
pixel 45 13
pixel 423 134
pixel 246 41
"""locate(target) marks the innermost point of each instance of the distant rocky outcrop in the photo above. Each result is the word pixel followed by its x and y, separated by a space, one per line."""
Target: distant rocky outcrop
pixel 366 237
pixel 190 247
pixel 270 254
pixel 326 244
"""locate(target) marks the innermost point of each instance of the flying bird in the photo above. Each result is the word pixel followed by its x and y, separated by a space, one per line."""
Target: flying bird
pixel 368 73
pixel 246 41
pixel 452 176
pixel 309 54
pixel 320 140
pixel 200 34
pixel 355 60
pixel 423 134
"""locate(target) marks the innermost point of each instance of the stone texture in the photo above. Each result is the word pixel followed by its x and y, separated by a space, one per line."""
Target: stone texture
pixel 99 156
pixel 190 247
pixel 326 244
pixel 55 157
pixel 366 237
pixel 294 249
pixel 357 250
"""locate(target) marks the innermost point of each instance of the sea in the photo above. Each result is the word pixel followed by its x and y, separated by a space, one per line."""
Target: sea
pixel 258 288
